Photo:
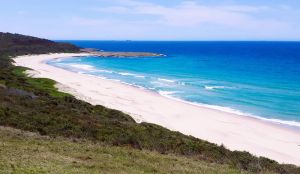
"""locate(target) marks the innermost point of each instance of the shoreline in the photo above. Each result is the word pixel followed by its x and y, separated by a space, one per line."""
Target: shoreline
pixel 293 125
pixel 290 124
pixel 236 132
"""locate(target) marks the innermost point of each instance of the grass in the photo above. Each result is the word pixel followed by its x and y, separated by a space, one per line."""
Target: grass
pixel 25 152
pixel 47 85
pixel 19 71
pixel 42 84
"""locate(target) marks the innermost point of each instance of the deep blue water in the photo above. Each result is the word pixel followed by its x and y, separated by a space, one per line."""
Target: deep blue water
pixel 255 78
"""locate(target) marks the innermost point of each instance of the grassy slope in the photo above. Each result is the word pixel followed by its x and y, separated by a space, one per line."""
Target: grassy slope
pixel 24 152
pixel 35 105
pixel 42 84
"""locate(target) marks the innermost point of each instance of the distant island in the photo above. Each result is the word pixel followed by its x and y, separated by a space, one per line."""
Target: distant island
pixel 44 130
pixel 118 54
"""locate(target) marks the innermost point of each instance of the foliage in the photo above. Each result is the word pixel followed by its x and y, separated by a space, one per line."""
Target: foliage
pixel 16 44
pixel 24 152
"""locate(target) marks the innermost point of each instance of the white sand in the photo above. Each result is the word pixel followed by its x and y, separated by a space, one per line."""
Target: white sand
pixel 235 132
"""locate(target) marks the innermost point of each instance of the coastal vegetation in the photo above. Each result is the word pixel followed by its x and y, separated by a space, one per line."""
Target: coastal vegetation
pixel 26 152
pixel 75 127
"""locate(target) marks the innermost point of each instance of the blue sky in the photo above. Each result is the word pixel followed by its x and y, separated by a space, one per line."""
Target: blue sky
pixel 153 19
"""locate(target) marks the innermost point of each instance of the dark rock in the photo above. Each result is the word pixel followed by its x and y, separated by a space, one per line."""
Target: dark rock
pixel 21 92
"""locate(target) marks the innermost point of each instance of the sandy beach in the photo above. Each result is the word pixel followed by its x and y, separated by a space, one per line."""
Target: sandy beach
pixel 236 132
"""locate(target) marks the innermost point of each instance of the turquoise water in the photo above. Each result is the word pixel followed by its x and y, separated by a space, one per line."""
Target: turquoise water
pixel 260 79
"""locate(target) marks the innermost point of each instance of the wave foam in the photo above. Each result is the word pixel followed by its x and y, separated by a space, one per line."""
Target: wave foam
pixel 102 70
pixel 216 87
pixel 168 94
pixel 83 66
pixel 88 68
pixel 131 74
pixel 166 80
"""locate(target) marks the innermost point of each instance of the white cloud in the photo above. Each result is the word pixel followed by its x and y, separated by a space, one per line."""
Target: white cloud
pixel 190 13
pixel 158 20
pixel 147 20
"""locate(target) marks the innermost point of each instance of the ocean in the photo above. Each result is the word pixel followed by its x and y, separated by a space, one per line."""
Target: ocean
pixel 257 79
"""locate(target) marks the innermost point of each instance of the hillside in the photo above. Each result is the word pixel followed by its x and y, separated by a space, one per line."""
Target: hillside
pixel 16 44
pixel 35 105
pixel 26 152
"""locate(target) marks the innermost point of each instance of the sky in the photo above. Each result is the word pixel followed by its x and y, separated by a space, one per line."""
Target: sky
pixel 153 19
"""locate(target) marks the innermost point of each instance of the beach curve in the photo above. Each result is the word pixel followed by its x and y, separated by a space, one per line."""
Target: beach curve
pixel 235 132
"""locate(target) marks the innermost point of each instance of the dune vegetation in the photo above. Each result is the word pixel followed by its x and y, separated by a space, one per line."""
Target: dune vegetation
pixel 26 152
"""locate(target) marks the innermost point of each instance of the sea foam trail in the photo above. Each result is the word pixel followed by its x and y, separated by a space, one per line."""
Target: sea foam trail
pixel 94 69
pixel 216 87
pixel 166 80
pixel 83 67
pixel 131 74
pixel 88 68
pixel 168 94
